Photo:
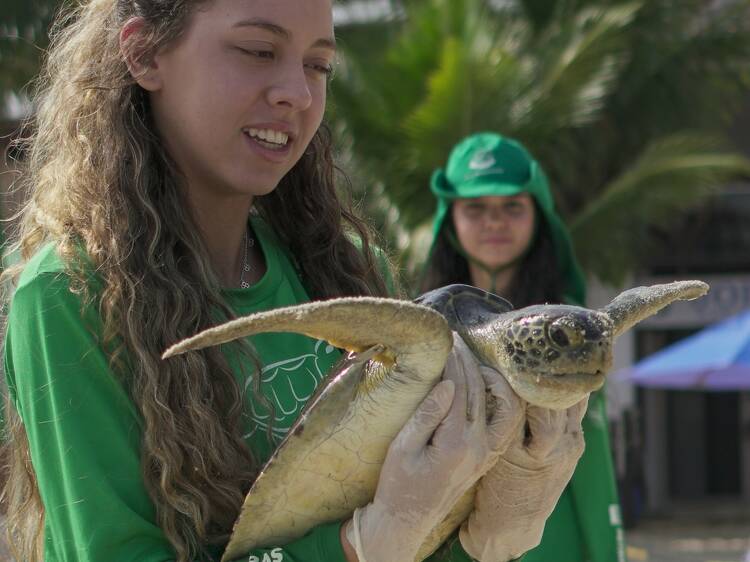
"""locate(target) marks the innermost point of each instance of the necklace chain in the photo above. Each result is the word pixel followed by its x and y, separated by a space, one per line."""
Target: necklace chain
pixel 247 243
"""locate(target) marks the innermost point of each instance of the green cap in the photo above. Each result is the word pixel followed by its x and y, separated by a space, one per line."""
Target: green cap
pixel 490 164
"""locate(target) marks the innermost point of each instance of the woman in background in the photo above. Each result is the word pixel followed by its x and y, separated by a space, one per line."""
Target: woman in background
pixel 496 229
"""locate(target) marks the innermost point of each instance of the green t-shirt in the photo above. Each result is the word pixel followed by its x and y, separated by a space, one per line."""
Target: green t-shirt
pixel 84 431
pixel 585 525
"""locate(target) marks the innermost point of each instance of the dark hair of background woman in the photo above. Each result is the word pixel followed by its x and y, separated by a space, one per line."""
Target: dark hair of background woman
pixel 537 281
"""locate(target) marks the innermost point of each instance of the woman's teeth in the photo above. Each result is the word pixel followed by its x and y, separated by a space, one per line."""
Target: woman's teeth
pixel 268 137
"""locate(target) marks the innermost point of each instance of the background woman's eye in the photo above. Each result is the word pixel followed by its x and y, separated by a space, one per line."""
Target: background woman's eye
pixel 473 210
pixel 324 69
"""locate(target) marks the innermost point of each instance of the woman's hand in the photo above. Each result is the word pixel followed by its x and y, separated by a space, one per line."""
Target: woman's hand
pixel 518 494
pixel 442 451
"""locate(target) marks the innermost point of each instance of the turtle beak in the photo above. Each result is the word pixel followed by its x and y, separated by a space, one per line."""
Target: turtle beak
pixel 634 305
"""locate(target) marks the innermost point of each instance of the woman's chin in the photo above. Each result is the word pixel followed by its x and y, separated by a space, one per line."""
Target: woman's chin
pixel 495 262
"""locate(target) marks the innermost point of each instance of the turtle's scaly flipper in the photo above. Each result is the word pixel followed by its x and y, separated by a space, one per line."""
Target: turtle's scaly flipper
pixel 330 460
pixel 403 328
pixel 634 305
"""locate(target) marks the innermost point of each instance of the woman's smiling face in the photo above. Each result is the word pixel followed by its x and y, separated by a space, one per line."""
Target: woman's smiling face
pixel 239 95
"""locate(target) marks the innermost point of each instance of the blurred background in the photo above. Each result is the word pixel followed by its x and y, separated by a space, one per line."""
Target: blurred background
pixel 639 112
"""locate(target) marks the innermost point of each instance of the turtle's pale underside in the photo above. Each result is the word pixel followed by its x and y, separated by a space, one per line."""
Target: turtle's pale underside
pixel 552 356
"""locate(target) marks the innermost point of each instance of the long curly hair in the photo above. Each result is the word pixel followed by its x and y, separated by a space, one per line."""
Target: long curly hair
pixel 99 180
pixel 535 282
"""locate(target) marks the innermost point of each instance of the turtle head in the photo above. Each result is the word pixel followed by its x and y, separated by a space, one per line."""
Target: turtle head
pixel 552 355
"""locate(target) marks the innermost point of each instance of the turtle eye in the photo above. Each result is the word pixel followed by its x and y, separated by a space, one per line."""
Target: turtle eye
pixel 565 334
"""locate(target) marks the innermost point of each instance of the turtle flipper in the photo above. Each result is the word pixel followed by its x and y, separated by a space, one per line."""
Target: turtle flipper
pixel 634 305
pixel 353 323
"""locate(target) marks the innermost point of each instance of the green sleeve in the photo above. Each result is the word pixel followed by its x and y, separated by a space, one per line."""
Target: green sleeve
pixel 84 436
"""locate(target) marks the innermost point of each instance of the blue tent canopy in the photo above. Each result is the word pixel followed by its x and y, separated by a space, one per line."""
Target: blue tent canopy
pixel 716 358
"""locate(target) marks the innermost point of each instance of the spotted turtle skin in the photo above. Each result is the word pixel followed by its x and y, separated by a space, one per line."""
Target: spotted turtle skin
pixel 552 355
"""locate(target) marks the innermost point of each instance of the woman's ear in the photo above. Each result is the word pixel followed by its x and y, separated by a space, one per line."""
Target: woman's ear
pixel 133 46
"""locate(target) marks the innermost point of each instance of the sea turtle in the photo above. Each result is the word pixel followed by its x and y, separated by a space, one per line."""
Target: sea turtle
pixel 329 462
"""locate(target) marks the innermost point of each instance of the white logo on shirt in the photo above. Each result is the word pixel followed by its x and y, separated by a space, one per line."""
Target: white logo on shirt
pixel 276 555
pixel 303 375
pixel 615 518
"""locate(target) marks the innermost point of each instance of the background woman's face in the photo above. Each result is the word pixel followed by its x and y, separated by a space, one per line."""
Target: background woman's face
pixel 241 93
pixel 495 230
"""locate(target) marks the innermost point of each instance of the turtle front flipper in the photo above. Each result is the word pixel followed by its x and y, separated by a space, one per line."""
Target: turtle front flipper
pixel 330 460
pixel 409 333
pixel 635 305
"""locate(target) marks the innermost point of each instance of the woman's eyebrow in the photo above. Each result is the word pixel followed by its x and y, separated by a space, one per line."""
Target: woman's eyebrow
pixel 325 42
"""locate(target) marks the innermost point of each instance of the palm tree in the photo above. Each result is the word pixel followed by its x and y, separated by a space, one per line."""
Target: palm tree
pixel 23 39
pixel 621 101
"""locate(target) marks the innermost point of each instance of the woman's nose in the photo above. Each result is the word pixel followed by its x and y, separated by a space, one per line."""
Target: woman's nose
pixel 291 89
pixel 495 217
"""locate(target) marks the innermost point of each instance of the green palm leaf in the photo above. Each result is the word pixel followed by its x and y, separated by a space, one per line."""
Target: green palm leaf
pixel 459 66
pixel 23 39
pixel 672 174
pixel 585 84
pixel 579 62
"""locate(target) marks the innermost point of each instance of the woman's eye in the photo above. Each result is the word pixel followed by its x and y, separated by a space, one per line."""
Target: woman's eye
pixel 323 69
pixel 474 210
pixel 260 54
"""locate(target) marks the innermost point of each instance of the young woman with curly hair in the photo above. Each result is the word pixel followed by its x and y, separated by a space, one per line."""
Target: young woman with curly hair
pixel 179 174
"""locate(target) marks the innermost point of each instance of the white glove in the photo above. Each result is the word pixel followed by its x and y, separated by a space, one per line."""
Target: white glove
pixel 444 448
pixel 515 498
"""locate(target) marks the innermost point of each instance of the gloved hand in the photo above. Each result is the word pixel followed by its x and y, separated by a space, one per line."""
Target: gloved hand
pixel 444 448
pixel 515 498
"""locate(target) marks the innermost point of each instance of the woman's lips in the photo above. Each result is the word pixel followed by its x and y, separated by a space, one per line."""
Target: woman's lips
pixel 496 240
pixel 276 154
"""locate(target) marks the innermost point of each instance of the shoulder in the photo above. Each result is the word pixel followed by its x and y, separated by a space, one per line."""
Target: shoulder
pixel 45 263
pixel 49 325
pixel 45 285
pixel 44 275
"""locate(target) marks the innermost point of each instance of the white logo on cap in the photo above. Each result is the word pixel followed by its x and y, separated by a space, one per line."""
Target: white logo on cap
pixel 482 160
pixel 483 163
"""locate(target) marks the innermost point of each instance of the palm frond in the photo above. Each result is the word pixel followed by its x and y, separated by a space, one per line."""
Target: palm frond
pixel 584 90
pixel 23 40
pixel 673 174
pixel 578 63
pixel 460 66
